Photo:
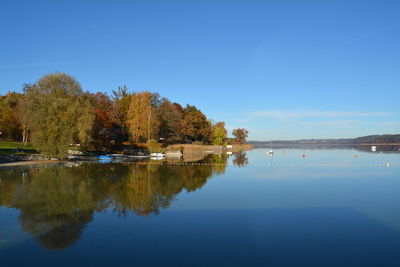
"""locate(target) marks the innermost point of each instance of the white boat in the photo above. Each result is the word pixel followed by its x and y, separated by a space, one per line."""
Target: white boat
pixel 157 155
pixel 373 148
pixel 270 152
pixel 116 155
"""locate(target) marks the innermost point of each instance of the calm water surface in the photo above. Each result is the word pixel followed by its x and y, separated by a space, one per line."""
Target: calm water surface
pixel 329 208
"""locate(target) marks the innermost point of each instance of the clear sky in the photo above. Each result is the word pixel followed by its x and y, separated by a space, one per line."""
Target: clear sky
pixel 282 69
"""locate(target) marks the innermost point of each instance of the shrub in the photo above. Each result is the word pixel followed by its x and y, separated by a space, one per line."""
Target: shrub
pixel 154 147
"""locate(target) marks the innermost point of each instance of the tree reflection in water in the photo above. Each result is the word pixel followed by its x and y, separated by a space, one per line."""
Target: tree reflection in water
pixel 240 159
pixel 56 203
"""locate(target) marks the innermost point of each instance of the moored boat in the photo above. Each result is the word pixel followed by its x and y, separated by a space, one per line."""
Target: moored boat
pixel 103 157
pixel 157 155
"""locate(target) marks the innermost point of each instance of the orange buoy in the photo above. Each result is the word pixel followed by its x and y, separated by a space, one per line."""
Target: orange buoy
pixel 356 156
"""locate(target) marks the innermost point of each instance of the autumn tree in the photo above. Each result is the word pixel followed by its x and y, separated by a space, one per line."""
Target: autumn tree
pixel 240 135
pixel 107 129
pixel 59 113
pixel 24 114
pixel 195 125
pixel 178 107
pixel 143 117
pixel 10 124
pixel 219 133
pixel 170 121
pixel 59 105
pixel 122 100
pixel 103 109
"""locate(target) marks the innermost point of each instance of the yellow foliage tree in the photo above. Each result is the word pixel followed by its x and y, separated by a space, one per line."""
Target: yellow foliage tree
pixel 143 118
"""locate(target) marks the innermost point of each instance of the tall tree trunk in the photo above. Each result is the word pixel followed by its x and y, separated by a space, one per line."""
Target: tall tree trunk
pixel 24 135
pixel 148 126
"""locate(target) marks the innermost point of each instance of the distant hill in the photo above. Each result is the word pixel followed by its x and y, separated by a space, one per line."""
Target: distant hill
pixel 386 139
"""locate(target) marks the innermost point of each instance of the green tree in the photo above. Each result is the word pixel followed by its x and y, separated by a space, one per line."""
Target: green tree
pixel 58 113
pixel 219 133
pixel 24 115
pixel 10 124
pixel 122 100
pixel 240 135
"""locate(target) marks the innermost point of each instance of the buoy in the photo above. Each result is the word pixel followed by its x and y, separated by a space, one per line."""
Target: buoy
pixel 303 156
pixel 356 156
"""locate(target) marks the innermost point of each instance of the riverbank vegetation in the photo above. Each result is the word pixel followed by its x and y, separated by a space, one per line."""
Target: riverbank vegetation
pixel 16 148
pixel 55 114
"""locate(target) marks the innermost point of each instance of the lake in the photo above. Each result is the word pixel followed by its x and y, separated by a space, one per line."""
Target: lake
pixel 299 207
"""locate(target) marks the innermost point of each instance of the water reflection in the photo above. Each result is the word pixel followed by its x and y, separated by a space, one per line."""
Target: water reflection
pixel 362 148
pixel 240 159
pixel 56 203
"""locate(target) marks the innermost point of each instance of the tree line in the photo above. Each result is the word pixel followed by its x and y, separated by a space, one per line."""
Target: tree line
pixel 55 112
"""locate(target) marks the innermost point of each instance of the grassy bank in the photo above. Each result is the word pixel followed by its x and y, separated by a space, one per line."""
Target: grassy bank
pixel 17 148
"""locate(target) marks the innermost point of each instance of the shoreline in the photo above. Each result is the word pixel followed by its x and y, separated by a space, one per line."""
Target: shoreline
pixel 28 162
pixel 190 151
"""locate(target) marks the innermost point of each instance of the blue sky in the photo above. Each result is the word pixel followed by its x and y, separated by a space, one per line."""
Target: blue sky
pixel 282 69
